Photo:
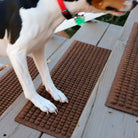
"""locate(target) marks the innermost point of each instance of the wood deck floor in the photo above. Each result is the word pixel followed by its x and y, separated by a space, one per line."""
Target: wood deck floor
pixel 97 120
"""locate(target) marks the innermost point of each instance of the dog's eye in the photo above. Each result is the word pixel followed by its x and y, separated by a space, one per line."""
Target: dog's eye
pixel 111 8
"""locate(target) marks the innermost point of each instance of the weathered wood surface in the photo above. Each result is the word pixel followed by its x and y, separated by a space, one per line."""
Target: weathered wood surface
pixel 133 17
pixel 4 61
pixel 109 39
pixel 104 121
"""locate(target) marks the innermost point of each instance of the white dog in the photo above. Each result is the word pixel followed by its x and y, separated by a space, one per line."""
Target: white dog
pixel 26 26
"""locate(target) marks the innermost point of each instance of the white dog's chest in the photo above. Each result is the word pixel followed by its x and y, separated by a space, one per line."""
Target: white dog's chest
pixel 37 28
pixel 10 19
pixel 28 17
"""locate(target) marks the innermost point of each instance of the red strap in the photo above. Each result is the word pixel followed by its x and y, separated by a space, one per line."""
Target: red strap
pixel 62 5
pixel 64 9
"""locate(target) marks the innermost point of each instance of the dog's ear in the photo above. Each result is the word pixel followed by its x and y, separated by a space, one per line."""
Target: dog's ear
pixel 94 2
pixel 104 4
pixel 115 7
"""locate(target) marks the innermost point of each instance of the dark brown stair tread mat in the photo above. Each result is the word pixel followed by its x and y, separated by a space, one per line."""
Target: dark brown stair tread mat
pixel 123 94
pixel 10 87
pixel 76 75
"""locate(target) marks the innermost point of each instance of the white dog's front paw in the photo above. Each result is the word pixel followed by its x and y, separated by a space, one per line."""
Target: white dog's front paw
pixel 57 95
pixel 44 104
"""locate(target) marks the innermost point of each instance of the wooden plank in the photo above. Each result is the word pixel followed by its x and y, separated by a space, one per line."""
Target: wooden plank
pixel 91 33
pixel 53 44
pixel 3 61
pixel 133 17
pixel 111 35
pixel 47 136
pixel 96 37
pixel 103 121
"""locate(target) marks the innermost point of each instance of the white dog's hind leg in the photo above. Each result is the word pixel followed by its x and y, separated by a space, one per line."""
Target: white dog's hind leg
pixel 18 60
pixel 40 61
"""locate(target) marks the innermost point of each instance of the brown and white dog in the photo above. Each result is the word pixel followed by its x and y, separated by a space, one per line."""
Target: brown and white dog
pixel 27 25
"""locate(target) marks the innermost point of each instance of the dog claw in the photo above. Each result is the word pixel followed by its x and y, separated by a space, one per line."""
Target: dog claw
pixel 47 112
pixel 56 113
pixel 67 101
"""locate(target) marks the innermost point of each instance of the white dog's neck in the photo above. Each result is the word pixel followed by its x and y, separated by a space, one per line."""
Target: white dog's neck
pixel 79 6
pixel 74 8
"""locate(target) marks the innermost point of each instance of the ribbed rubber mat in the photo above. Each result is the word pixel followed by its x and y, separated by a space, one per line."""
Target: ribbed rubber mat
pixel 124 91
pixel 10 87
pixel 76 75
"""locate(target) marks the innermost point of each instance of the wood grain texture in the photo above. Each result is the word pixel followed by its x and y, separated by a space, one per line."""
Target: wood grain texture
pixel 128 25
pixel 111 35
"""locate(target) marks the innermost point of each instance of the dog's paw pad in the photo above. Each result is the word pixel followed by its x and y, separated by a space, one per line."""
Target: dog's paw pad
pixel 44 104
